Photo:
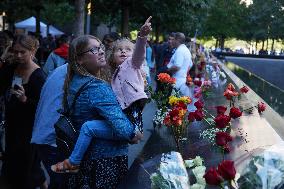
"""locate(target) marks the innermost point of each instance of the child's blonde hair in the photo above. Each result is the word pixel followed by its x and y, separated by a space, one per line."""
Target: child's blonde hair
pixel 110 58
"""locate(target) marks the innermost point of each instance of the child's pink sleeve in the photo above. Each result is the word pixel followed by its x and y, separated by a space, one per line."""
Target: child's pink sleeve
pixel 139 53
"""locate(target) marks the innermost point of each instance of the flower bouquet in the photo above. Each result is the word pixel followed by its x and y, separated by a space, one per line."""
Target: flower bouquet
pixel 176 117
pixel 161 96
pixel 198 170
pixel 265 170
pixel 171 173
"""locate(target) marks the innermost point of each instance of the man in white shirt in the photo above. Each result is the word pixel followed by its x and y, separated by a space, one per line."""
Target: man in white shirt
pixel 180 63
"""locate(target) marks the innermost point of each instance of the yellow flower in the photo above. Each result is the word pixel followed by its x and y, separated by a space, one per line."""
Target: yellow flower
pixel 173 100
pixel 185 99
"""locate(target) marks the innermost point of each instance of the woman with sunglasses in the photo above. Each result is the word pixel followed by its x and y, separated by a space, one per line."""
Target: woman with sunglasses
pixel 105 161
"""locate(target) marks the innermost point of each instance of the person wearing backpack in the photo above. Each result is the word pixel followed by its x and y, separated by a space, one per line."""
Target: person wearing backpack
pixel 58 57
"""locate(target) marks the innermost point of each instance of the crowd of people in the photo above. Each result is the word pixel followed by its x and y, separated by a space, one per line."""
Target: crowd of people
pixel 112 77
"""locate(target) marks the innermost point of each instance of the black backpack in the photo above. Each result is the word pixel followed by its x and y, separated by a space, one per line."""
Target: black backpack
pixel 66 134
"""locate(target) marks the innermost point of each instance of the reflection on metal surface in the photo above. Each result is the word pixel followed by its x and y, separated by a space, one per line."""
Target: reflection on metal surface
pixel 272 95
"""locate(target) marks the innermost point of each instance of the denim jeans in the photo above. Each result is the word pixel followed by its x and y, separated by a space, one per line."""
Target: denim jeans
pixel 49 156
pixel 90 130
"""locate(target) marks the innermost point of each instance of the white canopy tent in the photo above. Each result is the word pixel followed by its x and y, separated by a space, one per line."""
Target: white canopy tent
pixel 30 25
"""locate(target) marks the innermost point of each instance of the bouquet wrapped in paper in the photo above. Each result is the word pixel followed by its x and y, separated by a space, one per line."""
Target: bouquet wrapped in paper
pixel 265 170
pixel 171 174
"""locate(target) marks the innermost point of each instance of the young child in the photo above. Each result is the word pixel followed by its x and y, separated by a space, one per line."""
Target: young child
pixel 128 84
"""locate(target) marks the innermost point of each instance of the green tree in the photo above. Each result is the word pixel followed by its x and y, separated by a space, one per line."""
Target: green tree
pixel 58 13
pixel 223 20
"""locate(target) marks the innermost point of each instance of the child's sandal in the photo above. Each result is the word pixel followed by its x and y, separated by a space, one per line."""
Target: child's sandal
pixel 64 167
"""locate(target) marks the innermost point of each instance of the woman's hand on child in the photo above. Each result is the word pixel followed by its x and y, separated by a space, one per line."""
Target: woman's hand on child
pixel 146 28
pixel 137 138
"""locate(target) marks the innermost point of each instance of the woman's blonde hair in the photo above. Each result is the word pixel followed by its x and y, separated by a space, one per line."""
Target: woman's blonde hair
pixel 76 48
pixel 110 57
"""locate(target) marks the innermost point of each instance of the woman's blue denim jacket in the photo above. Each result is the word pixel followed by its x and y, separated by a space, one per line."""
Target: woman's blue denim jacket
pixel 98 101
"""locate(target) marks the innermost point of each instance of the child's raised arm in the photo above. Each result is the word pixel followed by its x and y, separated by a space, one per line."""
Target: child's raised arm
pixel 140 45
pixel 146 28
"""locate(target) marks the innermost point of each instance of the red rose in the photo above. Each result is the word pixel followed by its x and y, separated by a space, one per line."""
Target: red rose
pixel 199 104
pixel 221 109
pixel 222 138
pixel 197 82
pixel 229 94
pixel 167 120
pixel 235 112
pixel 174 112
pixel 212 177
pixel 231 87
pixel 191 116
pixel 227 170
pixel 244 89
pixel 261 107
pixel 197 95
pixel 199 115
pixel 222 121
pixel 199 75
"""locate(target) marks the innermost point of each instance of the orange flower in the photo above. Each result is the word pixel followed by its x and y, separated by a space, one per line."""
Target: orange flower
pixel 177 122
pixel 166 78
pixel 188 79
pixel 182 112
pixel 175 116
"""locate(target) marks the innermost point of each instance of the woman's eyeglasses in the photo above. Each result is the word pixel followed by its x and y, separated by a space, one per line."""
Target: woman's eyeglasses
pixel 94 50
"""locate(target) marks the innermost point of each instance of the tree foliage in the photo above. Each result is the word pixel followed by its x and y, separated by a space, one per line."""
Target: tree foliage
pixel 58 13
pixel 221 19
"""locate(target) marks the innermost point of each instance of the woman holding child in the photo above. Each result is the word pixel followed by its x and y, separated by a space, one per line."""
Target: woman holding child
pixel 105 162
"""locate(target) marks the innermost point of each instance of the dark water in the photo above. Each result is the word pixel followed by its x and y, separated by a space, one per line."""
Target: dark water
pixel 272 95
pixel 270 70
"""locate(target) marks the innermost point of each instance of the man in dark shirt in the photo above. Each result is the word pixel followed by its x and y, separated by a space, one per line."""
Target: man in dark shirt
pixel 164 54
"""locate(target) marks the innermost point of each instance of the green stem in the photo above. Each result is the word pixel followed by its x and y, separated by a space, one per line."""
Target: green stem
pixel 176 139
pixel 235 184
pixel 207 122
pixel 209 114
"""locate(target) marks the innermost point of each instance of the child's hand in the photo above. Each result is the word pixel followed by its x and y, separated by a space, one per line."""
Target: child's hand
pixel 146 28
pixel 7 55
